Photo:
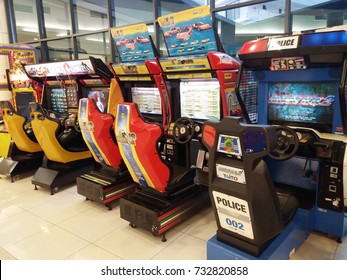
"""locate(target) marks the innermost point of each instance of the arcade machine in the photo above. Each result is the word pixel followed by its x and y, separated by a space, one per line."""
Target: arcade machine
pixel 163 161
pixel 201 73
pixel 110 179
pixel 297 84
pixel 55 122
pixel 25 154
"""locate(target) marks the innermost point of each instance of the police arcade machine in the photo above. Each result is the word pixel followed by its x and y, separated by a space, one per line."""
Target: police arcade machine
pixel 168 190
pixel 24 154
pixel 55 123
pixel 110 180
pixel 297 84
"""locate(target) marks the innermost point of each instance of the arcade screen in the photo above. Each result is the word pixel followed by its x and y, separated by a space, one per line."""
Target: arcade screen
pixel 100 96
pixel 22 102
pixel 147 99
pixel 307 104
pixel 200 99
pixel 58 100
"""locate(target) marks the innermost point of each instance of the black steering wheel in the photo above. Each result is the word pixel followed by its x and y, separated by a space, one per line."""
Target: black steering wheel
pixel 183 130
pixel 76 124
pixel 287 143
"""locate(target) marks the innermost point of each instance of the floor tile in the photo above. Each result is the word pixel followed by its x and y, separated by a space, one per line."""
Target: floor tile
pixel 92 252
pixel 205 228
pixel 185 247
pixel 61 208
pixel 52 243
pixel 8 209
pixel 135 243
pixel 37 225
pixel 33 198
pixel 4 255
pixel 316 247
pixel 93 223
pixel 20 226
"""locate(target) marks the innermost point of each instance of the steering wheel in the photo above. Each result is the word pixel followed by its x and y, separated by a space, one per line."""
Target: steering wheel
pixel 76 124
pixel 183 130
pixel 287 143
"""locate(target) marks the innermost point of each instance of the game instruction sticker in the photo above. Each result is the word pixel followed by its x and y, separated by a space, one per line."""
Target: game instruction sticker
pixel 188 32
pixel 133 43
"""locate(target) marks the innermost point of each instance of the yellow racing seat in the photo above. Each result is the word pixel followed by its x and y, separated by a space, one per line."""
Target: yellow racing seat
pixel 19 129
pixel 58 144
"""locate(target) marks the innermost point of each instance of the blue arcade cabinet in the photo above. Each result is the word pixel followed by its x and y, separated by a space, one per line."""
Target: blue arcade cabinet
pixel 297 84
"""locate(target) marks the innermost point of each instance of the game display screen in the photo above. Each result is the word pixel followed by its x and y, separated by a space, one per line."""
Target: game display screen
pixel 200 99
pixel 58 100
pixel 147 99
pixel 100 96
pixel 306 103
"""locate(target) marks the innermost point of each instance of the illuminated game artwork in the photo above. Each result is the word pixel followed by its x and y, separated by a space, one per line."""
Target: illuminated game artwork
pixel 188 32
pixel 12 57
pixel 147 99
pixel 133 43
pixel 100 97
pixel 200 99
pixel 306 102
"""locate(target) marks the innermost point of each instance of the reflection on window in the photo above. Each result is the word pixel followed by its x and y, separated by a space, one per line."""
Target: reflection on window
pixel 91 15
pixel 221 3
pixel 57 18
pixel 26 20
pixel 323 14
pixel 236 26
pixel 96 45
pixel 174 6
pixel 60 50
pixel 130 12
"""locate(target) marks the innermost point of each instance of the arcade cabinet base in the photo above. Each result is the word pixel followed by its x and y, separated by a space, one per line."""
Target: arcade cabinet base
pixel 22 165
pixel 57 175
pixel 104 189
pixel 159 214
pixel 281 248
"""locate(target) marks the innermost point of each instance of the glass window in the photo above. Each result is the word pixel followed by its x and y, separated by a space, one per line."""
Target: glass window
pixel 320 14
pixel 236 26
pixel 60 50
pixel 221 3
pixel 91 15
pixel 26 20
pixel 97 45
pixel 57 18
pixel 130 12
pixel 174 6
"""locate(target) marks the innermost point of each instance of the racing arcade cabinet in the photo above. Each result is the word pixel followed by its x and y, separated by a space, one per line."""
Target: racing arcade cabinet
pixel 113 181
pixel 139 76
pixel 55 122
pixel 296 83
pixel 164 163
pixel 25 154
pixel 110 180
pixel 202 77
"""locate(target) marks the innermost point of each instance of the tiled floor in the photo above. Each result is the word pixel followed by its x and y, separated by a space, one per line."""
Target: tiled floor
pixel 37 225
